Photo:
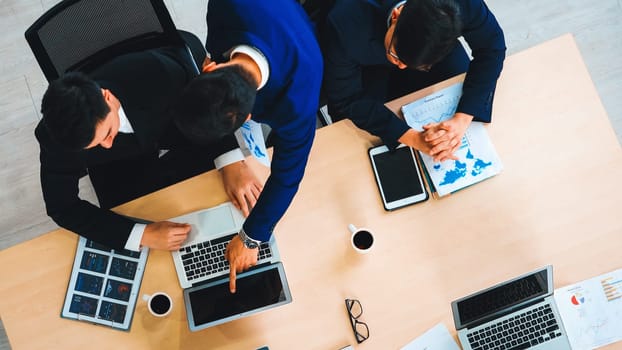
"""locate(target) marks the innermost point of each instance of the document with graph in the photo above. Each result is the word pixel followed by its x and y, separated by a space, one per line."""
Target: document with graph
pixel 477 157
pixel 592 310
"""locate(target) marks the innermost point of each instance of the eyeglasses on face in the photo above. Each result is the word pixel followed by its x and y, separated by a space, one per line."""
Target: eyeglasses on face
pixel 360 329
pixel 390 48
pixel 421 68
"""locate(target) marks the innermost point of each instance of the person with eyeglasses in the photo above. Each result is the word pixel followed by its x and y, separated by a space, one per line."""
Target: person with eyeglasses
pixel 375 51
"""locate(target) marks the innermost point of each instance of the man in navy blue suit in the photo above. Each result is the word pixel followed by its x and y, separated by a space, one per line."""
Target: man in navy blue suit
pixel 266 65
pixel 369 44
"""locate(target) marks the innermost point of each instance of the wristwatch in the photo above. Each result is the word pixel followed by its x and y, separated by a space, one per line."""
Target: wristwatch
pixel 248 242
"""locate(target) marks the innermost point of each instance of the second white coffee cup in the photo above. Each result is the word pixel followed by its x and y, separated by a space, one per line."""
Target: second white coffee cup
pixel 362 239
pixel 159 304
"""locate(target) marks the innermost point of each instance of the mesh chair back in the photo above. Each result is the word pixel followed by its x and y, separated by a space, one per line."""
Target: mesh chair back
pixel 82 34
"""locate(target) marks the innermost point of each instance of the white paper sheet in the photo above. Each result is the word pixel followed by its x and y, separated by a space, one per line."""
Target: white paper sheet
pixel 437 338
pixel 253 141
pixel 477 157
pixel 591 310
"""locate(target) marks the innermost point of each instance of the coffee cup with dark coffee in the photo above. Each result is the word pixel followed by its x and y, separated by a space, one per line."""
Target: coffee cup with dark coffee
pixel 362 239
pixel 159 304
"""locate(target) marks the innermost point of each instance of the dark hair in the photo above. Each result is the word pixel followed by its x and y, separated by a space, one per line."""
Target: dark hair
pixel 426 31
pixel 215 104
pixel 72 106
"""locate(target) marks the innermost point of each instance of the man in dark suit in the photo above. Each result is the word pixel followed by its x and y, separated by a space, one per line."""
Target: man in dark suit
pixel 368 44
pixel 115 126
pixel 265 65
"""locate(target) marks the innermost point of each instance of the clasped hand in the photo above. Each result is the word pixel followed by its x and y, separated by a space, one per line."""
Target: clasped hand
pixel 442 140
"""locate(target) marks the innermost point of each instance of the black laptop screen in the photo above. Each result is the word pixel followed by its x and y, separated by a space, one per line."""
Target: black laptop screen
pixel 253 291
pixel 502 297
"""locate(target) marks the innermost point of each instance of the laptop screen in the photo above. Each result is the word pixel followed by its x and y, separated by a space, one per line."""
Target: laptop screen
pixel 256 290
pixel 502 297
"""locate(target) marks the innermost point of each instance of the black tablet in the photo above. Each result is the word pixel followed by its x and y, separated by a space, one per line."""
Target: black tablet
pixel 398 177
pixel 257 290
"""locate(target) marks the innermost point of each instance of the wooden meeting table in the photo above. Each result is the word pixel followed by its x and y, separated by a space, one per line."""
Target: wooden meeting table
pixel 557 202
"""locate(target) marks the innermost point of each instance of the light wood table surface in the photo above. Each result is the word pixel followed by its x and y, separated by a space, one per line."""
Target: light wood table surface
pixel 556 202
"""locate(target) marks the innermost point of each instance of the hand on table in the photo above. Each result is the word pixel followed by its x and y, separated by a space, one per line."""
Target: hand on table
pixel 240 258
pixel 165 235
pixel 241 185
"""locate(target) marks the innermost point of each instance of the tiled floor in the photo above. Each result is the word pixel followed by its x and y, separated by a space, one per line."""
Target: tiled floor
pixel 595 25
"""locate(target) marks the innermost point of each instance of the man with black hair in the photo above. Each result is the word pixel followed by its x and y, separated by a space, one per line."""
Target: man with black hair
pixel 115 126
pixel 376 51
pixel 266 65
pixel 226 94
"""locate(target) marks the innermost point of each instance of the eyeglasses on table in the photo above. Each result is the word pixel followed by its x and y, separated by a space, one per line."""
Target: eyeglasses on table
pixel 360 329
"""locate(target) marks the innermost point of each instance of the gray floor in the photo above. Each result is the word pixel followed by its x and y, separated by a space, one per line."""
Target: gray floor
pixel 596 26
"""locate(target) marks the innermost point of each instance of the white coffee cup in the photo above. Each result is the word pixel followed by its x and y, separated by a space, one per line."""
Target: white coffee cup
pixel 362 239
pixel 159 304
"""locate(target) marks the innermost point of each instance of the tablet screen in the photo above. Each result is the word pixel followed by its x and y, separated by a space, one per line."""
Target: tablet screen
pixel 256 290
pixel 104 284
pixel 398 174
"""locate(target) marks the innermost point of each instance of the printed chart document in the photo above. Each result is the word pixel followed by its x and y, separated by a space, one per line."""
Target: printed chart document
pixel 592 310
pixel 250 138
pixel 437 338
pixel 477 158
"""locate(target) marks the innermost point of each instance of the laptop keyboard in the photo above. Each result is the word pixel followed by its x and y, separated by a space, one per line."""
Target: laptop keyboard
pixel 207 258
pixel 518 332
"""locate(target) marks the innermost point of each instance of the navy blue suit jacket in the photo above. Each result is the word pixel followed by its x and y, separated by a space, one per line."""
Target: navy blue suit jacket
pixel 282 32
pixel 354 40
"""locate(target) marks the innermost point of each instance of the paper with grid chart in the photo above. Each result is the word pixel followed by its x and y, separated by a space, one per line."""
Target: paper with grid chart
pixel 592 310
pixel 477 157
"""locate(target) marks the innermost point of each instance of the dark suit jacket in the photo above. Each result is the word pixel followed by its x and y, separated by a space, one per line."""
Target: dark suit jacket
pixel 282 32
pixel 145 83
pixel 353 40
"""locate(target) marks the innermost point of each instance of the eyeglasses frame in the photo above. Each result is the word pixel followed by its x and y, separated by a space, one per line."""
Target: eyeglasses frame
pixel 354 320
pixel 422 68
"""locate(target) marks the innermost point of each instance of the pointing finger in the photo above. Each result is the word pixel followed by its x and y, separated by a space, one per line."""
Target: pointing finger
pixel 231 279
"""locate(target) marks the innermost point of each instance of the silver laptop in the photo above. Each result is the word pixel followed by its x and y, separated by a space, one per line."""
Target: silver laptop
pixel 203 271
pixel 516 314
pixel 202 257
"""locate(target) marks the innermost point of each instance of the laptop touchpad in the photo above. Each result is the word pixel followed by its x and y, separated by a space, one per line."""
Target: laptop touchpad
pixel 217 220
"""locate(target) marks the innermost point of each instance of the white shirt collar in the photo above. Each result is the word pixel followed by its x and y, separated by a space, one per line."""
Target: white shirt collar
pixel 258 57
pixel 124 123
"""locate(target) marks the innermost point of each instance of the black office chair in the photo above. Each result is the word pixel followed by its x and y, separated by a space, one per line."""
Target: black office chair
pixel 81 35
